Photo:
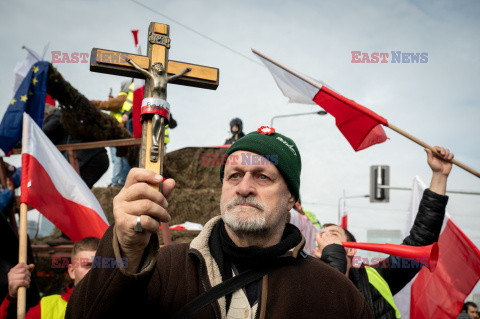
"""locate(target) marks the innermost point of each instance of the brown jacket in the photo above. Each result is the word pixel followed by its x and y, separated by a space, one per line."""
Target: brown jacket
pixel 172 276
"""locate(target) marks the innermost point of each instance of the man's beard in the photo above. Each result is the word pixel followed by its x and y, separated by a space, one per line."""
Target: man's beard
pixel 242 219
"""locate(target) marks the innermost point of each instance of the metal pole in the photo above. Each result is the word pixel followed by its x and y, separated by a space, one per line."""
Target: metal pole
pixel 31 53
pixel 347 197
pixel 45 51
pixel 448 191
pixel 321 112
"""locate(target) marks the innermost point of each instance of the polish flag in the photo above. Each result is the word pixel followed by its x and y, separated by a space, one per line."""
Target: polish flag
pixel 360 126
pixel 441 293
pixel 50 185
pixel 343 214
pixel 138 94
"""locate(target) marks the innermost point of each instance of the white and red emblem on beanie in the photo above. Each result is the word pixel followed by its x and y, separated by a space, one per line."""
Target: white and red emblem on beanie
pixel 266 130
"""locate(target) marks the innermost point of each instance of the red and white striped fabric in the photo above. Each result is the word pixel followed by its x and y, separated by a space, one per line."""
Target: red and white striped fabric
pixel 440 294
pixel 307 229
pixel 361 127
pixel 343 215
pixel 50 185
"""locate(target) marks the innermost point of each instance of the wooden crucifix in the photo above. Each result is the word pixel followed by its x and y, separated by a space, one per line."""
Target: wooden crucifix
pixel 157 70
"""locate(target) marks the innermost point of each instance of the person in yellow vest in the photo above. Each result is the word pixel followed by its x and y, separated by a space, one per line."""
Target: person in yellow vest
pixel 311 216
pixel 53 306
pixel 379 281
pixel 119 107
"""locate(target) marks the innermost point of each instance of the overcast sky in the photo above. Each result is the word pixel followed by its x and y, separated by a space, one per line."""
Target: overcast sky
pixel 436 101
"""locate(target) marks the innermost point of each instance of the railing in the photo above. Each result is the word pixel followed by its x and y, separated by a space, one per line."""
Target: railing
pixel 72 148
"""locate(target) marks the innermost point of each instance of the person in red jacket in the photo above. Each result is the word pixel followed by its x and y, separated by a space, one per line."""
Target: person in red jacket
pixel 54 306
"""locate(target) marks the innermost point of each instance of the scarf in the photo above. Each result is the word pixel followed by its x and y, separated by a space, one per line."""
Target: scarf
pixel 227 254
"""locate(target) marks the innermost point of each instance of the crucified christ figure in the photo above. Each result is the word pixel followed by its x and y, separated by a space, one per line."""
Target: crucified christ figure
pixel 158 88
pixel 158 78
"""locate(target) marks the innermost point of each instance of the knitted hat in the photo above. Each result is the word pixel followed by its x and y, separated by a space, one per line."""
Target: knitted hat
pixel 280 150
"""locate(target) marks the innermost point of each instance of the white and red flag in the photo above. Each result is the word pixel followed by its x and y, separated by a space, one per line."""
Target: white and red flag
pixel 343 214
pixel 50 185
pixel 441 293
pixel 360 126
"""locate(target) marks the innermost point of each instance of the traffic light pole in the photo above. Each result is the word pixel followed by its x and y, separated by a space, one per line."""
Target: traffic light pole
pixel 409 189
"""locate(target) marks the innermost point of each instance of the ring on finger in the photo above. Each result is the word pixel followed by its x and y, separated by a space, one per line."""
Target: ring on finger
pixel 138 226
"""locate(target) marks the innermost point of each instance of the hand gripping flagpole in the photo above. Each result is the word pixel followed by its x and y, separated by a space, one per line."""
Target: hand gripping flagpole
pixel 389 125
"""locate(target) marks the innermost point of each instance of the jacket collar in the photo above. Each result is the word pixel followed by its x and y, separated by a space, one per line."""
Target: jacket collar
pixel 200 244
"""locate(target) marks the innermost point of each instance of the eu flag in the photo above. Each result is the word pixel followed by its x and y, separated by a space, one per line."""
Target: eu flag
pixel 30 98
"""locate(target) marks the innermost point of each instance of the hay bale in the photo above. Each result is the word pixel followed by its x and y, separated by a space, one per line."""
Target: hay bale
pixel 105 197
pixel 196 197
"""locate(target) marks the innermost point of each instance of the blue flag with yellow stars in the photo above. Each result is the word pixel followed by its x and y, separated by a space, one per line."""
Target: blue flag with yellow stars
pixel 30 98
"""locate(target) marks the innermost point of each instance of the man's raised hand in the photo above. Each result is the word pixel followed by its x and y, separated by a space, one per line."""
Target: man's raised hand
pixel 136 199
pixel 441 167
pixel 323 239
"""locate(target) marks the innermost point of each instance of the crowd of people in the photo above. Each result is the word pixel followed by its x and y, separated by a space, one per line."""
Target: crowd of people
pixel 251 261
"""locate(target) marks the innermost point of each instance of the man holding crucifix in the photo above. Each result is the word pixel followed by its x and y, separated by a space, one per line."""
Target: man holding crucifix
pixel 250 255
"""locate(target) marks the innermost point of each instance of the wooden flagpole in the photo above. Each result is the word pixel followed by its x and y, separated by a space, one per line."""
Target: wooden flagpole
pixel 391 126
pixel 22 244
pixel 22 258
pixel 425 145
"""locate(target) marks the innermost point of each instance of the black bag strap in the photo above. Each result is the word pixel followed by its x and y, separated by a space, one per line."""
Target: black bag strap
pixel 220 290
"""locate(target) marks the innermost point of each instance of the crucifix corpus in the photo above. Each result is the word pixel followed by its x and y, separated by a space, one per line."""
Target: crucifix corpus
pixel 157 70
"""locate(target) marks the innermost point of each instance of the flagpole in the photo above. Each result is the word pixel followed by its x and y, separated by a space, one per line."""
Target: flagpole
pixel 31 53
pixel 391 126
pixel 22 258
pixel 425 145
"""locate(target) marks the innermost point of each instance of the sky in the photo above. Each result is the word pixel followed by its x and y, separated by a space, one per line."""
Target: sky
pixel 435 101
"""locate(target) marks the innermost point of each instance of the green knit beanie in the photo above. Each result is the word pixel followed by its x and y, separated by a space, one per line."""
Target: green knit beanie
pixel 277 148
